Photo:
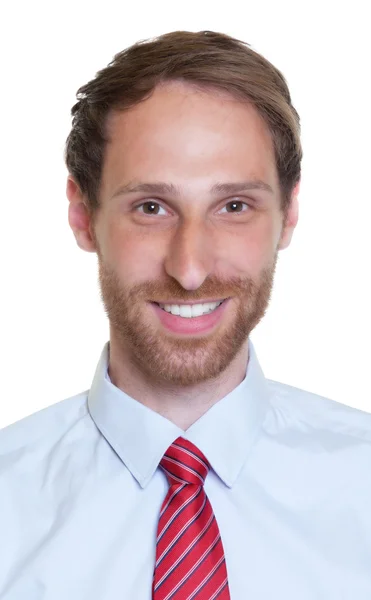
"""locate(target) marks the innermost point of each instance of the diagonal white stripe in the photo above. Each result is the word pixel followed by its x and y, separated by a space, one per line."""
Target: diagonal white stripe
pixel 222 585
pixel 175 492
pixel 180 533
pixel 184 467
pixel 206 579
pixel 174 476
pixel 165 528
pixel 193 455
pixel 193 569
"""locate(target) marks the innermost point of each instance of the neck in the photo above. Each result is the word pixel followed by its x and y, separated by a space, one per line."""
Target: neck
pixel 183 406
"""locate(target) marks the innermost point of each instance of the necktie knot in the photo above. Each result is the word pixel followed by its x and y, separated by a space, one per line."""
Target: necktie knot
pixel 183 462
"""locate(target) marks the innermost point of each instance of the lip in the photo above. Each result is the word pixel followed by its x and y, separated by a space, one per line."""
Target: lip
pixel 195 325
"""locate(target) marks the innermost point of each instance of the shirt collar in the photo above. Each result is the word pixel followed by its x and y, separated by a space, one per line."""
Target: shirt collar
pixel 141 436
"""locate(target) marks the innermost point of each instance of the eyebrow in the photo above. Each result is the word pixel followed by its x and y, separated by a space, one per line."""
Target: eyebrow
pixel 169 188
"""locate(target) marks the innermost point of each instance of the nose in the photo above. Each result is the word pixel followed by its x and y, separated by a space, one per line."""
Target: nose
pixel 191 255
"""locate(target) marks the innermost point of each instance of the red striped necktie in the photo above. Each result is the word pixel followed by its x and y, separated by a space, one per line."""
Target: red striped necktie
pixel 190 561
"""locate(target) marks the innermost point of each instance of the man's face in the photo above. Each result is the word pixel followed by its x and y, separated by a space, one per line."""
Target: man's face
pixel 193 244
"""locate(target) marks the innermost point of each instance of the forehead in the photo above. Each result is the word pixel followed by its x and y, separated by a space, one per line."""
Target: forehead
pixel 189 132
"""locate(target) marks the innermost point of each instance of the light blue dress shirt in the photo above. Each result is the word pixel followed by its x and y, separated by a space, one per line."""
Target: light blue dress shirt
pixel 290 486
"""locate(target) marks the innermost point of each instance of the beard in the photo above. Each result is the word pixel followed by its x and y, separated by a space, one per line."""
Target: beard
pixel 161 356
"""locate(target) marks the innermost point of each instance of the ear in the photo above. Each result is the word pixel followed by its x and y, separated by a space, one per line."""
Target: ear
pixel 78 217
pixel 291 219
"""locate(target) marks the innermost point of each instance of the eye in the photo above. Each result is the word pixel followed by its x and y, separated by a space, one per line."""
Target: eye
pixel 151 206
pixel 236 203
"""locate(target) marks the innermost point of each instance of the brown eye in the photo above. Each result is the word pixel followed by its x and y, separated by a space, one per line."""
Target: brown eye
pixel 236 206
pixel 151 206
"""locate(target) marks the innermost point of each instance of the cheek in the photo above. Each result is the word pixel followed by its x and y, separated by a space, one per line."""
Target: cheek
pixel 254 249
pixel 130 253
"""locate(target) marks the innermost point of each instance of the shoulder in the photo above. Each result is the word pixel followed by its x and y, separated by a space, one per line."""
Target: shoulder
pixel 44 458
pixel 313 412
pixel 42 429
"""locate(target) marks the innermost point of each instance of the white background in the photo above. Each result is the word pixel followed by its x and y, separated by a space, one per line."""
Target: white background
pixel 317 330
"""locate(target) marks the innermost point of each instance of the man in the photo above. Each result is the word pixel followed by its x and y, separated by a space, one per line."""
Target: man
pixel 183 473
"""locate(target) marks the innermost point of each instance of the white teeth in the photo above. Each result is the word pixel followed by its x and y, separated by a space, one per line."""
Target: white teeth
pixel 188 311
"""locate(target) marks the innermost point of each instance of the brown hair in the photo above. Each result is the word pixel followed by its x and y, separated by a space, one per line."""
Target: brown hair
pixel 205 59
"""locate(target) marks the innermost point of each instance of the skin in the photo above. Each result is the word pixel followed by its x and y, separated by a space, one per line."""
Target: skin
pixel 189 247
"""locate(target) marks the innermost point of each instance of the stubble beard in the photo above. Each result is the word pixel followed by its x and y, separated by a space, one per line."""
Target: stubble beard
pixel 165 358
